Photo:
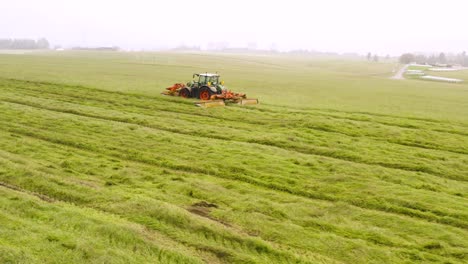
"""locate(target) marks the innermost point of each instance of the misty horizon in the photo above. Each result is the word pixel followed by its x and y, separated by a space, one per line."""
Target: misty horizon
pixel 391 27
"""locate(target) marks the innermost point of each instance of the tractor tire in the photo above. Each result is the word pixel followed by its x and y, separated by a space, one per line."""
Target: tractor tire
pixel 205 93
pixel 185 93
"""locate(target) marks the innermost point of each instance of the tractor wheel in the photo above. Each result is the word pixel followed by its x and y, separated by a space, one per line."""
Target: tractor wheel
pixel 205 93
pixel 185 93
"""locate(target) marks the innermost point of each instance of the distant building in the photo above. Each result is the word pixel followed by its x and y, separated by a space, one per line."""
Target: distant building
pixel 114 48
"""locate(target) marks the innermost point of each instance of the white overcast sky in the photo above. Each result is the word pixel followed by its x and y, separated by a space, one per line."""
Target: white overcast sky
pixel 384 27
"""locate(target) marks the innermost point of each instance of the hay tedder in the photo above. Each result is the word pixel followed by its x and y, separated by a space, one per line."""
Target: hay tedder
pixel 211 92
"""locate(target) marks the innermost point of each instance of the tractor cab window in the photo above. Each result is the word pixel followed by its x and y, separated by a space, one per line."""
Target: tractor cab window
pixel 213 79
pixel 202 79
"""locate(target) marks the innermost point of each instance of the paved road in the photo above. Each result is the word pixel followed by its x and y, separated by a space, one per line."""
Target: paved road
pixel 399 74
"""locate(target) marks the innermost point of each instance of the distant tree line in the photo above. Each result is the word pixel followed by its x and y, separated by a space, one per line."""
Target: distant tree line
pixel 41 43
pixel 441 58
pixel 375 57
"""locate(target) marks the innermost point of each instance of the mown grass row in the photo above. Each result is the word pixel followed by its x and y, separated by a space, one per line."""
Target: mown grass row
pixel 140 156
pixel 309 143
pixel 81 92
pixel 239 169
pixel 33 230
pixel 64 189
pixel 160 215
pixel 341 123
pixel 313 142
pixel 301 139
pixel 153 160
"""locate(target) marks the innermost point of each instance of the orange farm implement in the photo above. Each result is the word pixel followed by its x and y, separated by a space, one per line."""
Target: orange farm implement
pixel 211 92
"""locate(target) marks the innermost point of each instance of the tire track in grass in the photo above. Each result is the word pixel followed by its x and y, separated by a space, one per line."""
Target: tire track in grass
pixel 272 186
pixel 41 196
pixel 231 239
pixel 157 240
pixel 314 151
pixel 351 237
pixel 214 237
pixel 208 248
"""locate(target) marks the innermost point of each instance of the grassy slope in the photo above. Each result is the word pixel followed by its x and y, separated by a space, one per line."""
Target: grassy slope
pixel 338 164
pixel 290 81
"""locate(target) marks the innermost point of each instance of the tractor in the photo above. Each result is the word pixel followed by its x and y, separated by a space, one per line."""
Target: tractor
pixel 208 88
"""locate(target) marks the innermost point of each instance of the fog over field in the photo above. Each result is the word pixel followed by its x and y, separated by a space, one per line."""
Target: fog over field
pixel 383 27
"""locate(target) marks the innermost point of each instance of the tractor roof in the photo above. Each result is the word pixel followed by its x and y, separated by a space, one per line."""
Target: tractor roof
pixel 208 74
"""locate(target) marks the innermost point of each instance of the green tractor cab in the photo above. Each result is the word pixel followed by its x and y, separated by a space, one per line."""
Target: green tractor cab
pixel 203 86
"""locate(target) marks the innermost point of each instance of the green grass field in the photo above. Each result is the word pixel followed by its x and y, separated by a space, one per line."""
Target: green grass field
pixel 338 164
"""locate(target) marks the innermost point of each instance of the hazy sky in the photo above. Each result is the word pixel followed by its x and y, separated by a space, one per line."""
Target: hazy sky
pixel 391 26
